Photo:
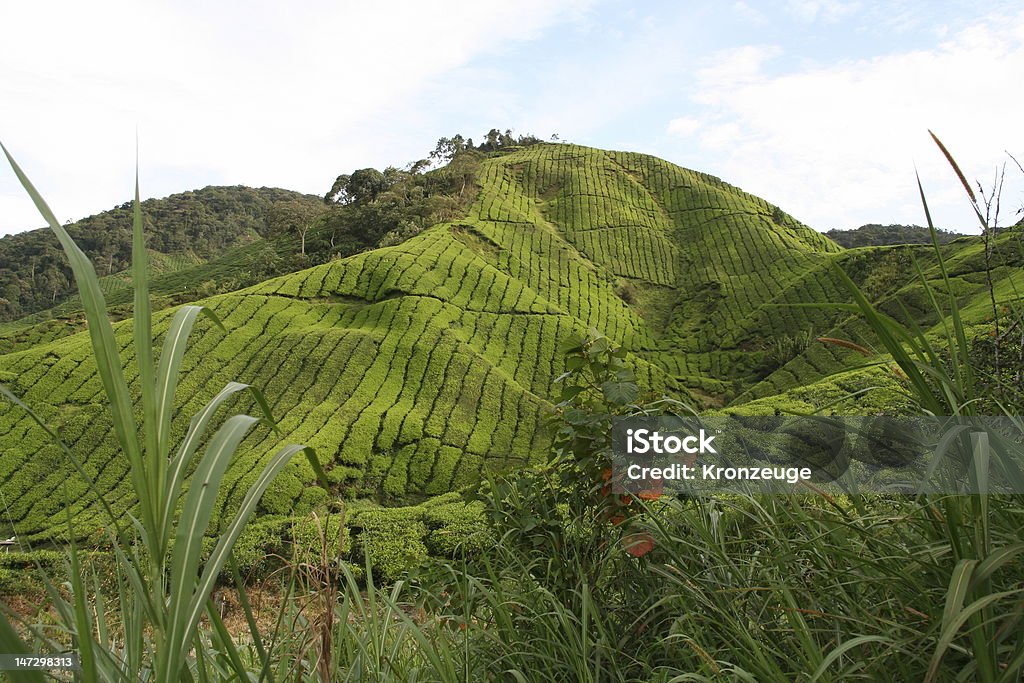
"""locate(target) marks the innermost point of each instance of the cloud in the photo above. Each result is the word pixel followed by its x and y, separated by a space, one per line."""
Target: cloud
pixel 837 145
pixel 684 126
pixel 732 68
pixel 256 93
pixel 827 11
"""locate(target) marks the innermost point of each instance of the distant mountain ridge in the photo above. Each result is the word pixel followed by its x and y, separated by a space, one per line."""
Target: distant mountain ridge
pixel 876 235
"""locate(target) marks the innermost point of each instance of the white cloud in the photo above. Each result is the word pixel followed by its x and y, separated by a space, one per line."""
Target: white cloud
pixel 836 146
pixel 828 11
pixel 255 93
pixel 729 69
pixel 684 126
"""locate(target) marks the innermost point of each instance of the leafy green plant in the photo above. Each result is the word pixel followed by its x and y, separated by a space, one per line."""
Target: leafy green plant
pixel 781 350
pixel 164 582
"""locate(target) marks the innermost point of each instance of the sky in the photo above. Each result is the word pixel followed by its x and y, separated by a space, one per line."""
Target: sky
pixel 820 106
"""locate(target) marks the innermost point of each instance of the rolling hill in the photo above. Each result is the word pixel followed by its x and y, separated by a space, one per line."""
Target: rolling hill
pixel 413 367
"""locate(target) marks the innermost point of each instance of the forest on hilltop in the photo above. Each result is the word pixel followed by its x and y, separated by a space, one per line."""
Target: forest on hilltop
pixel 875 235
pixel 220 239
pixel 188 227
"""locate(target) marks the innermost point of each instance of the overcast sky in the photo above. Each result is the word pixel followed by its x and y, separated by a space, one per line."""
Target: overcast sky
pixel 820 106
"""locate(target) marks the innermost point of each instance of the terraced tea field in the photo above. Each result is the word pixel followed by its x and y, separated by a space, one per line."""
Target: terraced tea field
pixel 413 368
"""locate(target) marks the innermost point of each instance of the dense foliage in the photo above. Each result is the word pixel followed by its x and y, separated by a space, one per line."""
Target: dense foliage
pixel 193 226
pixel 371 207
pixel 875 235
pixel 292 232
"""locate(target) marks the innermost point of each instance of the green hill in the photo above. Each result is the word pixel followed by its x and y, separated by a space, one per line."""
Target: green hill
pixel 413 367
pixel 193 227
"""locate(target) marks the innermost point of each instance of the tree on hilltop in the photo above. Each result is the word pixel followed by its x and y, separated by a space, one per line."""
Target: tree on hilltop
pixel 295 217
pixel 359 187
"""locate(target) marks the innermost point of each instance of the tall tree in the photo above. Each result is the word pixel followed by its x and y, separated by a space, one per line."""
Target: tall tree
pixel 362 186
pixel 295 217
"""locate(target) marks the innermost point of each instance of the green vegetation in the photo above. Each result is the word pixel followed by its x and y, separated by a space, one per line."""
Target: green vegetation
pixel 194 227
pixel 281 232
pixel 163 579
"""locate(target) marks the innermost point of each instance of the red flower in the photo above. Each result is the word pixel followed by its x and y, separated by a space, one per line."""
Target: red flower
pixel 638 544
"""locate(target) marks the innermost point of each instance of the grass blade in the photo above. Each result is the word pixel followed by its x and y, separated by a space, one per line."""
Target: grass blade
pixel 950 630
pixel 175 344
pixel 142 325
pixel 197 429
pixel 192 526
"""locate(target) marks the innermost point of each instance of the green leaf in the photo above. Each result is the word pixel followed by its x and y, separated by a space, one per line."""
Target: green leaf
pixel 840 650
pixel 221 552
pixel 571 344
pixel 958 584
pixel 993 562
pixel 569 393
pixel 598 346
pixel 178 465
pixel 142 326
pixel 952 628
pixel 175 344
pixel 620 393
pixel 197 511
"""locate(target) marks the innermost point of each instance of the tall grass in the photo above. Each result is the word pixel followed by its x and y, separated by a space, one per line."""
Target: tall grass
pixel 163 581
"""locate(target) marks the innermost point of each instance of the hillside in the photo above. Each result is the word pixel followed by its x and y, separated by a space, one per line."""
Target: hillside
pixel 413 367
pixel 193 227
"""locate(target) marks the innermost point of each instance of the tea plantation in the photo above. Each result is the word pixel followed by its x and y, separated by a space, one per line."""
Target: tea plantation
pixel 413 368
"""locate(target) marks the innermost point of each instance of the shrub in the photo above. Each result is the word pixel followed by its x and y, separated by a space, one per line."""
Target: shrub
pixel 391 542
pixel 781 350
pixel 457 528
pixel 261 546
